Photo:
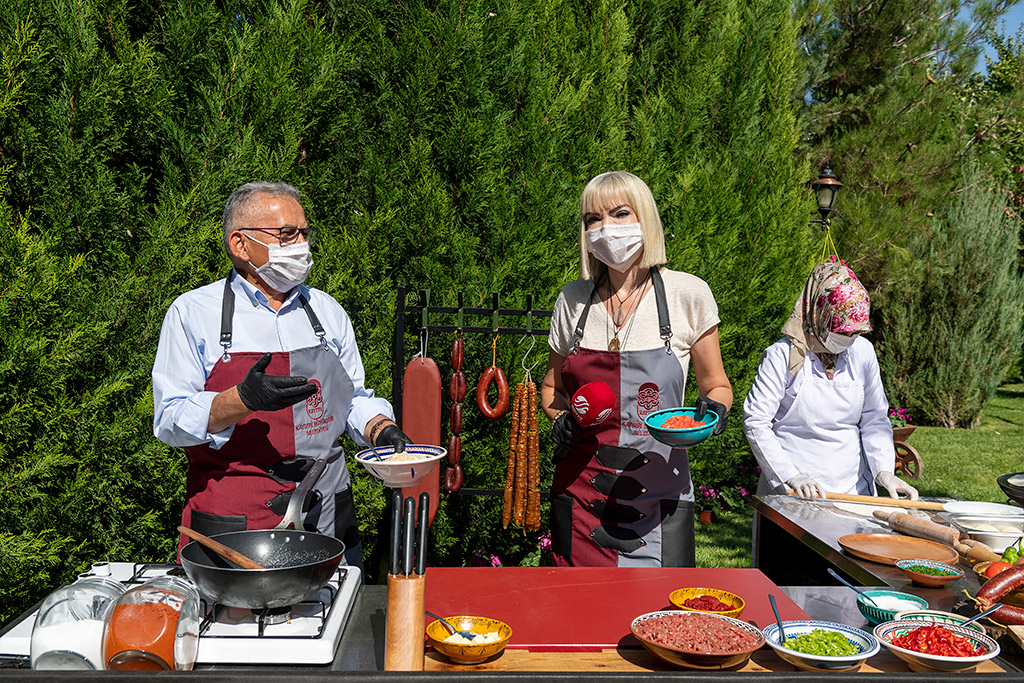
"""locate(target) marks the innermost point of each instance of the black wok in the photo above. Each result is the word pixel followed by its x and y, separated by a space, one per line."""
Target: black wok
pixel 297 563
pixel 1013 486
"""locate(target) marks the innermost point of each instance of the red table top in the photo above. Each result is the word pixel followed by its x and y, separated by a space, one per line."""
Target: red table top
pixel 587 608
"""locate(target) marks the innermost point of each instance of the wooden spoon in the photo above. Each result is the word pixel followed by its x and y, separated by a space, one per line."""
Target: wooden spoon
pixel 227 553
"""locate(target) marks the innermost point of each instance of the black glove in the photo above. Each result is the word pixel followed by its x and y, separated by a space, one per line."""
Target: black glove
pixel 704 404
pixel 260 391
pixel 566 431
pixel 393 436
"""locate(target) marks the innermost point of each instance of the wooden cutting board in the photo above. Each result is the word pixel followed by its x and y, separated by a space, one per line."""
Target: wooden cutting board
pixel 887 548
pixel 587 609
pixel 421 422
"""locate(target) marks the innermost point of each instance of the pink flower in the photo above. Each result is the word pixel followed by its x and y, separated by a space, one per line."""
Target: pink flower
pixel 840 294
pixel 545 542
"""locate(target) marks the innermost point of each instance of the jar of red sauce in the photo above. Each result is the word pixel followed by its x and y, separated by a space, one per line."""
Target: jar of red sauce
pixel 154 627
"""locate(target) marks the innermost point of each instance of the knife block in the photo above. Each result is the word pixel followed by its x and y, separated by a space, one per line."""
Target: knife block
pixel 406 623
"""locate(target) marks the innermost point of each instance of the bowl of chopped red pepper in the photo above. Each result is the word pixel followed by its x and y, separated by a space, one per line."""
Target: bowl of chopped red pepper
pixel 929 572
pixel 928 647
pixel 680 427
pixel 712 600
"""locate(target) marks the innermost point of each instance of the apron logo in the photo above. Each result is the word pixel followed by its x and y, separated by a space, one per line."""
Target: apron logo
pixel 647 399
pixel 315 403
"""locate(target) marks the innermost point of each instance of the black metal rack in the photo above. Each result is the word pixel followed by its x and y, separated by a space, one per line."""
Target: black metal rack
pixel 460 312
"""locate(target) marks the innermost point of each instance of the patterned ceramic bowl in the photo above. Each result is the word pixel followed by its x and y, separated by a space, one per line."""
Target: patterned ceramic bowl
pixel 462 653
pixel 876 614
pixel 701 640
pixel 401 470
pixel 866 644
pixel 679 596
pixel 927 663
pixel 938 617
pixel 941 574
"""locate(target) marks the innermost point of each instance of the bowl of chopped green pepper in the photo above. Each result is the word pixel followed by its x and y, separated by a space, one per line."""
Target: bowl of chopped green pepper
pixel 821 645
pixel 929 572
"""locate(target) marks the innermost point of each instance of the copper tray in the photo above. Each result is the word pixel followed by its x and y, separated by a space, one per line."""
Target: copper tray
pixel 887 548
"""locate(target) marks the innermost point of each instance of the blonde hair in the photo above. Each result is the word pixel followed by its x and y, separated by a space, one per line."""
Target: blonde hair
pixel 615 187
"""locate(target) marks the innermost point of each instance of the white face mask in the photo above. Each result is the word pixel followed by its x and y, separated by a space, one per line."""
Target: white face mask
pixel 616 246
pixel 837 343
pixel 287 265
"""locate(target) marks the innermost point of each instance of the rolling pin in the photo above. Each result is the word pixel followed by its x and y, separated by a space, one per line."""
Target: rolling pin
pixel 880 500
pixel 977 553
pixel 912 525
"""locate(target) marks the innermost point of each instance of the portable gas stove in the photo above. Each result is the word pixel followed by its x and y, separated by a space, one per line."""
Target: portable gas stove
pixel 306 633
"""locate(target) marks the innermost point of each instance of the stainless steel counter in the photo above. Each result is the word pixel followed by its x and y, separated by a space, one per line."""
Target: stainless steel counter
pixel 796 540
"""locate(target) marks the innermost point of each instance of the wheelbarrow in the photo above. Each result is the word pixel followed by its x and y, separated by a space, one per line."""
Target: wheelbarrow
pixel 908 460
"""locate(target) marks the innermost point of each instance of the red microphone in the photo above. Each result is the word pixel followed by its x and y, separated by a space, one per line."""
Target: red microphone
pixel 592 403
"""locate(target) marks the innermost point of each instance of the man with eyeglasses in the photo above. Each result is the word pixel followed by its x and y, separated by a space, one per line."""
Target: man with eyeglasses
pixel 257 375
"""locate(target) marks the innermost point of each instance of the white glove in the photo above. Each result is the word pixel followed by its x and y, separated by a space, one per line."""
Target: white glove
pixel 895 486
pixel 805 487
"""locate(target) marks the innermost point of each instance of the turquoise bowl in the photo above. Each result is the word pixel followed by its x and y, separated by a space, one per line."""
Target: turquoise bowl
pixel 680 438
pixel 877 615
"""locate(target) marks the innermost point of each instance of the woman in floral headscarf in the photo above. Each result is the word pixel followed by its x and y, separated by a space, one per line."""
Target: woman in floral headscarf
pixel 816 416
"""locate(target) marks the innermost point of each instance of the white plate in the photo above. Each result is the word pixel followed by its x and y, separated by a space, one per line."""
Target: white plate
pixel 971 507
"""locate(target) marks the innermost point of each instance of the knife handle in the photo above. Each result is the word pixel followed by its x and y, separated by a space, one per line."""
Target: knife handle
pixel 424 513
pixel 410 535
pixel 396 532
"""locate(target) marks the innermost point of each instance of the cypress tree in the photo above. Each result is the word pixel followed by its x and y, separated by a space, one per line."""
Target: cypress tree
pixel 954 322
pixel 439 145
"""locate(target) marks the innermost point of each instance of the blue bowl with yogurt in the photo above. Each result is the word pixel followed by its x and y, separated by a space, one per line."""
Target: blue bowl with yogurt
pixel 887 604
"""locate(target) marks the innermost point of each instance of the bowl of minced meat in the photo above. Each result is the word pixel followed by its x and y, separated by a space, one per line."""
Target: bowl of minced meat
pixel 697 640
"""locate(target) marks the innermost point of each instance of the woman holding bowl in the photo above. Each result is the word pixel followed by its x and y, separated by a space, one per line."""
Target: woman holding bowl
pixel 619 497
pixel 817 416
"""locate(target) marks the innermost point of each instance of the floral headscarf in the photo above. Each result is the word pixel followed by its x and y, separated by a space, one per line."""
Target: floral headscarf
pixel 833 300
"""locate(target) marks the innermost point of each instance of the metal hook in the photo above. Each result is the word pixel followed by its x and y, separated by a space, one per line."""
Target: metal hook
pixel 533 342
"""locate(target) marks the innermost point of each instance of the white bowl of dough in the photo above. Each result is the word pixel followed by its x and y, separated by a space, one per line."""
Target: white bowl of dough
pixel 401 469
pixel 997 532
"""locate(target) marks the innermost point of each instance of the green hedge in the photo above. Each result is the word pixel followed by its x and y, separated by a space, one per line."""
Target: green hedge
pixel 438 144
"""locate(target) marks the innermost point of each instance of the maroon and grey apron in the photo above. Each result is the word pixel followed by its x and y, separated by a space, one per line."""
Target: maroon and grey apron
pixel 247 483
pixel 621 498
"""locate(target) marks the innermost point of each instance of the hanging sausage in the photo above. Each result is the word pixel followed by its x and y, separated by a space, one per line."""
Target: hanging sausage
pixel 456 392
pixel 497 376
pixel 522 474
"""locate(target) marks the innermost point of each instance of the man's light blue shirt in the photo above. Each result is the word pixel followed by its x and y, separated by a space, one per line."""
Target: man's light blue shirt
pixel 189 348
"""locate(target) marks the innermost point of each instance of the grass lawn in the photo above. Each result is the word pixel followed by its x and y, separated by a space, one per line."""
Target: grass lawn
pixel 958 463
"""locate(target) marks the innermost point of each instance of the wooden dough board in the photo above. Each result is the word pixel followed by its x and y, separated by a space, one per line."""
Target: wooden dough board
pixel 587 609
pixel 639 661
pixel 887 548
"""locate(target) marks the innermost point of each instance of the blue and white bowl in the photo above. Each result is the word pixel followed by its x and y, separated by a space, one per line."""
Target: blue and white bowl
pixel 867 645
pixel 680 438
pixel 928 663
pixel 398 473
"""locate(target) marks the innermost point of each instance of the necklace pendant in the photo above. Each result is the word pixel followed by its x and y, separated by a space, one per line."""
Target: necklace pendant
pixel 618 317
pixel 613 345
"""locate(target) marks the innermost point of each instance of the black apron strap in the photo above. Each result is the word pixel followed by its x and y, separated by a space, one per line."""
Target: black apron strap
pixel 318 329
pixel 577 335
pixel 227 312
pixel 664 324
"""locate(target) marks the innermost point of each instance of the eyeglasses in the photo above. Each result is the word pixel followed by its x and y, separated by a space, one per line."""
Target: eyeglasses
pixel 289 234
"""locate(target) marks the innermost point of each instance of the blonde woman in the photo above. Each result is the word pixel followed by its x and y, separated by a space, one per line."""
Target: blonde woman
pixel 619 497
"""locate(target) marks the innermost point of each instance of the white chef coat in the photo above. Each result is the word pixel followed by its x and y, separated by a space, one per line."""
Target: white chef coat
pixel 835 431
pixel 189 348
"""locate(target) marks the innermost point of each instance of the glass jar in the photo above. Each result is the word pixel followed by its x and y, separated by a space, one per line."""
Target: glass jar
pixel 68 632
pixel 154 627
